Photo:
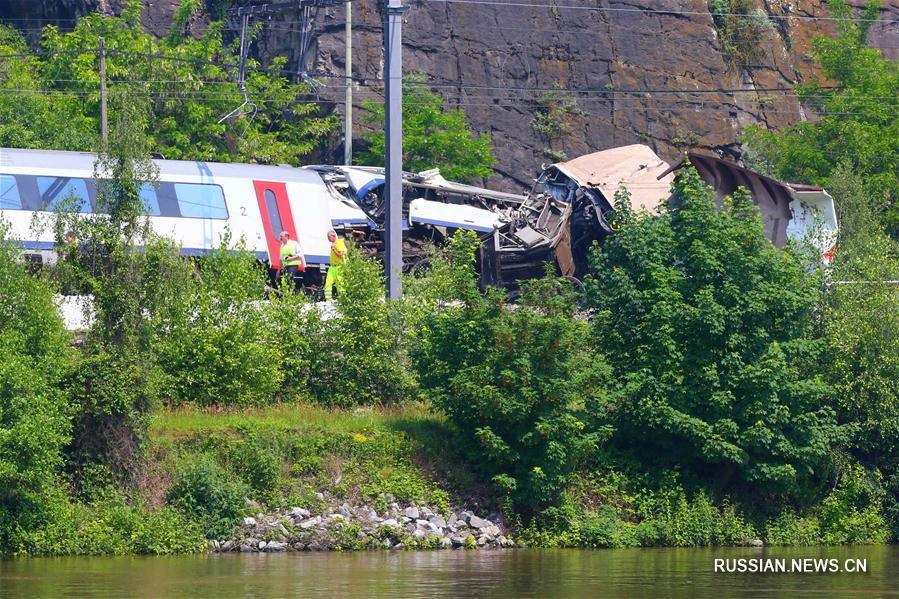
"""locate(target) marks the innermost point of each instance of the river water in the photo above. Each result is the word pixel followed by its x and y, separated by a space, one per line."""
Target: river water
pixel 655 573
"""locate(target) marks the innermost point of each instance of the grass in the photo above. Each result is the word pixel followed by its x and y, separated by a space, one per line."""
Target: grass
pixel 191 420
pixel 288 450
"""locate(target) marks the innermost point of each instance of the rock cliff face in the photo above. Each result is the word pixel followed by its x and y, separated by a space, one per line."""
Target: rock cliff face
pixel 501 63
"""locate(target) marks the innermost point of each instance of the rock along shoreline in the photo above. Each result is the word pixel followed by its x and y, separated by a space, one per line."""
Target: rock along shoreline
pixel 354 528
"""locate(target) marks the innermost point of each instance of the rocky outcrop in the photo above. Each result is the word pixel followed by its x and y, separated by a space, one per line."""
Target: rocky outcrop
pixel 500 64
pixel 344 527
pixel 503 50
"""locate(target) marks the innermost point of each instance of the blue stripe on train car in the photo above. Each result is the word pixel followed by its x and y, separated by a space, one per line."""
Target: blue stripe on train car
pixel 310 258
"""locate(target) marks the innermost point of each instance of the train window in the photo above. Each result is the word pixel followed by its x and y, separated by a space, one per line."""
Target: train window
pixel 147 194
pixel 149 199
pixel 201 201
pixel 65 191
pixel 274 216
pixel 9 193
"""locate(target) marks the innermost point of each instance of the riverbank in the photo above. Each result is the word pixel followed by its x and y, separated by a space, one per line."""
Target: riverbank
pixel 316 479
pixel 300 477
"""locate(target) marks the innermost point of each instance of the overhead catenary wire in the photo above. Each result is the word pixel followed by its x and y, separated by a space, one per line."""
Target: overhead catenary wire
pixel 613 9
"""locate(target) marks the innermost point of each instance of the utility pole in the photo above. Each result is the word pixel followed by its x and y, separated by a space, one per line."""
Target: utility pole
pixel 104 123
pixel 393 144
pixel 348 109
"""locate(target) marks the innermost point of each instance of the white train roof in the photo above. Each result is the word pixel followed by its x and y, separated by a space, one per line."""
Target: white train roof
pixel 84 161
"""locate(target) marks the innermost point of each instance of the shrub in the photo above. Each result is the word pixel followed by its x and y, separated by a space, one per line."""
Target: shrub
pixel 359 359
pixel 218 348
pixel 113 395
pixel 299 330
pixel 258 461
pixel 852 511
pixel 601 511
pixel 34 419
pixel 111 524
pixel 791 529
pixel 207 493
pixel 518 384
pixel 704 322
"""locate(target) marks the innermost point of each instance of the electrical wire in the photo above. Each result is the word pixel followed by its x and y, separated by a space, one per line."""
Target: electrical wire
pixel 685 13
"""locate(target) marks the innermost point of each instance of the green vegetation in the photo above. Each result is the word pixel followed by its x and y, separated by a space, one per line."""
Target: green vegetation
pixel 519 384
pixel 188 80
pixel 552 120
pixel 34 419
pixel 743 27
pixel 856 127
pixel 286 453
pixel 433 136
pixel 706 327
pixel 704 389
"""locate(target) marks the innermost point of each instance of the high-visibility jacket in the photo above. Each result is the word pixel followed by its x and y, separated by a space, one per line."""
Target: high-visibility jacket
pixel 291 248
pixel 339 245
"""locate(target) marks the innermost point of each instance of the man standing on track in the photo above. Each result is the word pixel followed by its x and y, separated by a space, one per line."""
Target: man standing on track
pixel 292 261
pixel 338 257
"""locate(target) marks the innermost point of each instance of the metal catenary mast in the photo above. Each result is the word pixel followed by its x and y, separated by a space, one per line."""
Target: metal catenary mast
pixel 393 109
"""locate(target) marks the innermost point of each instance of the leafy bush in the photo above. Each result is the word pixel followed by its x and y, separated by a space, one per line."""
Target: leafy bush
pixel 852 511
pixel 358 359
pixel 518 384
pixel 603 511
pixel 114 395
pixel 791 529
pixel 34 419
pixel 850 514
pixel 207 493
pixel 218 348
pixel 258 461
pixel 112 526
pixel 704 323
pixel 298 328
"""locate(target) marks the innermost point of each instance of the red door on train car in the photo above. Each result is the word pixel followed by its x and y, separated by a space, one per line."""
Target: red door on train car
pixel 276 216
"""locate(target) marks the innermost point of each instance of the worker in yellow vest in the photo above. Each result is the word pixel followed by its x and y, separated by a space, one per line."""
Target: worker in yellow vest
pixel 338 257
pixel 292 260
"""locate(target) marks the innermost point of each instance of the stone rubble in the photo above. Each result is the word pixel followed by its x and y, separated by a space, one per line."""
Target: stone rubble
pixel 363 527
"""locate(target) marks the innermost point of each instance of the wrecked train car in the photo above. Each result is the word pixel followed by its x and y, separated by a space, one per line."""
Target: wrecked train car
pixel 570 207
pixel 432 209
pixel 789 210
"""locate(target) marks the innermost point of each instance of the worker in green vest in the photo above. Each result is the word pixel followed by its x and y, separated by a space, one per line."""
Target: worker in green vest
pixel 338 257
pixel 292 260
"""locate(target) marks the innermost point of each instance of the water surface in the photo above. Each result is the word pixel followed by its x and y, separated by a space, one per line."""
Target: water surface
pixel 656 573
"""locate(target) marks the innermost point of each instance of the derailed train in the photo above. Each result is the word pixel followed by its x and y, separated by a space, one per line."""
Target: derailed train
pixel 569 207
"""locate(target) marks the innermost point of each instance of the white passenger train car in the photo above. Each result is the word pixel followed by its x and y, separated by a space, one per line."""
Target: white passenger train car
pixel 193 202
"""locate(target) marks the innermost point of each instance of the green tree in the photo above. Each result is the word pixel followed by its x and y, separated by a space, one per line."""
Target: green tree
pixel 861 324
pixel 34 419
pixel 189 82
pixel 704 323
pixel 433 136
pixel 857 124
pixel 130 275
pixel 31 115
pixel 518 384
